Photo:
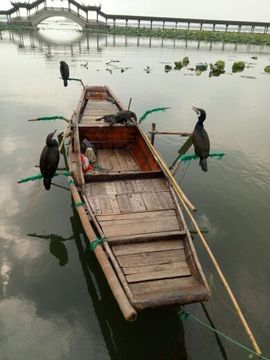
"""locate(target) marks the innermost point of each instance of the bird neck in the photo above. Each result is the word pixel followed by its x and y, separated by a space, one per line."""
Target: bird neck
pixel 199 125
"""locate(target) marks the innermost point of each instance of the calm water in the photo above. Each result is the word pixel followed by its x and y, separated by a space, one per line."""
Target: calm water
pixel 55 303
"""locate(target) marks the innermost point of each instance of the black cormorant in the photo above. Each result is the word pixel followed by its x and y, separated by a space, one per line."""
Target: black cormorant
pixel 49 160
pixel 121 117
pixel 200 139
pixel 64 70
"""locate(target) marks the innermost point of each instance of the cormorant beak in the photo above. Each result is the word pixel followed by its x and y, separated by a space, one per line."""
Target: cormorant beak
pixel 196 110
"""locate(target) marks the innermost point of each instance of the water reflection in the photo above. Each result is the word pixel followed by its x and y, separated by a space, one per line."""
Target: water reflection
pixel 57 247
pixel 143 339
pixel 83 42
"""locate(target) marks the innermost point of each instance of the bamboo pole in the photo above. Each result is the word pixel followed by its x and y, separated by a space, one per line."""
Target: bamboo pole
pixel 118 292
pixel 153 133
pixel 167 171
pixel 183 134
pixel 224 281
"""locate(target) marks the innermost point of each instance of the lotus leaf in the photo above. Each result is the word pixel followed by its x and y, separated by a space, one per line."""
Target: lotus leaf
pixel 267 69
pixel 238 66
pixel 201 66
pixel 185 61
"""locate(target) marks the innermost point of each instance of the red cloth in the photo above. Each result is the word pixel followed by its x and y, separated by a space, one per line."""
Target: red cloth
pixel 86 166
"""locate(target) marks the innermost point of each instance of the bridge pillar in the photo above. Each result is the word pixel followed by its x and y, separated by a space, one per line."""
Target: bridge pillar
pixel 266 29
pixel 188 25
pixel 226 28
pixel 239 28
pixel 126 23
pixel 139 23
pixel 214 27
pixel 114 23
pixel 252 28
pixel 163 25
pixel 201 25
pixel 151 24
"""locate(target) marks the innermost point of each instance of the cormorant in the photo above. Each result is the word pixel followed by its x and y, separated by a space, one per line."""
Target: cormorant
pixel 49 160
pixel 121 117
pixel 64 70
pixel 200 139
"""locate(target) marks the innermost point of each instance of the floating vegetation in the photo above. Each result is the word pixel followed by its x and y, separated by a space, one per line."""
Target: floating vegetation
pixel 238 66
pixel 267 69
pixel 167 68
pixel 201 66
pixel 220 36
pixel 254 57
pixel 178 65
pixel 217 69
pixel 185 61
pixel 198 72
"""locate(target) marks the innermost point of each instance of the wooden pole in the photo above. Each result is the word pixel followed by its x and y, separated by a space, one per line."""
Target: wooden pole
pixel 153 132
pixel 129 103
pixel 223 280
pixel 184 134
pixel 167 171
pixel 118 292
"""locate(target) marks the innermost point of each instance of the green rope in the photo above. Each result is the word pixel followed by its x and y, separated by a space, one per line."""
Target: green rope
pixel 39 176
pixel 188 157
pixel 148 112
pixel 183 315
pixel 70 181
pixel 99 241
pixel 78 204
pixel 54 117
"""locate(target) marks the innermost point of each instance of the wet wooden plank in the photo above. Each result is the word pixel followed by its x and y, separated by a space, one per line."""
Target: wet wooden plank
pixel 151 258
pixel 151 246
pixel 164 199
pixel 114 204
pixel 178 265
pixel 98 188
pixel 164 286
pixel 152 272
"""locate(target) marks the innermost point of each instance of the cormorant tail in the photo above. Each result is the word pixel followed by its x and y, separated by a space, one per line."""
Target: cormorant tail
pixel 47 183
pixel 203 163
pixel 65 82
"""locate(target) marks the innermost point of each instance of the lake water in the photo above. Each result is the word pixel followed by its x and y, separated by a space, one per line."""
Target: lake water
pixel 55 303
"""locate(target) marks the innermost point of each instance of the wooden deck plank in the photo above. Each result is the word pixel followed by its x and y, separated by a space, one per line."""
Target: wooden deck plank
pixel 163 286
pixel 95 204
pixel 157 215
pixel 162 274
pixel 114 204
pixel 151 201
pixel 151 258
pixel 136 202
pixel 160 245
pixel 125 227
pixel 155 236
pixel 123 203
pixel 144 220
pixel 105 204
pixel 164 199
pixel 178 265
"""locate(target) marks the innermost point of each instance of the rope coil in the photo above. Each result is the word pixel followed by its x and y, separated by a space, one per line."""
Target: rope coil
pixel 99 241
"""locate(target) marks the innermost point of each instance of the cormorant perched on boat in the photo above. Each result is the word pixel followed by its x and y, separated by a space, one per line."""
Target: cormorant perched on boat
pixel 49 160
pixel 121 117
pixel 200 139
pixel 64 70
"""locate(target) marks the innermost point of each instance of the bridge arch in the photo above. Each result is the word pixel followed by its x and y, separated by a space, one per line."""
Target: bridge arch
pixel 37 18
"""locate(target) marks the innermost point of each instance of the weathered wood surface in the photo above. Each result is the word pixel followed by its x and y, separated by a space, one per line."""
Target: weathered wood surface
pixel 131 204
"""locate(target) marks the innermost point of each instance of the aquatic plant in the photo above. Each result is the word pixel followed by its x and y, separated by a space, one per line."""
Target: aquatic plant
pixel 238 66
pixel 178 65
pixel 167 68
pixel 217 69
pixel 185 61
pixel 201 66
pixel 267 69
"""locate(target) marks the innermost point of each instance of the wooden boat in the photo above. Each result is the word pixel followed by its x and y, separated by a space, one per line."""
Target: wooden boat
pixel 148 256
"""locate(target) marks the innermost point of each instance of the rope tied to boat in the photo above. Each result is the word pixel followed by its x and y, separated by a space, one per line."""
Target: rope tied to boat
pixel 70 181
pixel 188 157
pixel 78 203
pixel 184 315
pixel 39 176
pixel 98 241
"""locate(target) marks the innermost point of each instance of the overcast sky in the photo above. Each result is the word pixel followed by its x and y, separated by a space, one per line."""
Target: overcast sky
pixel 253 10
